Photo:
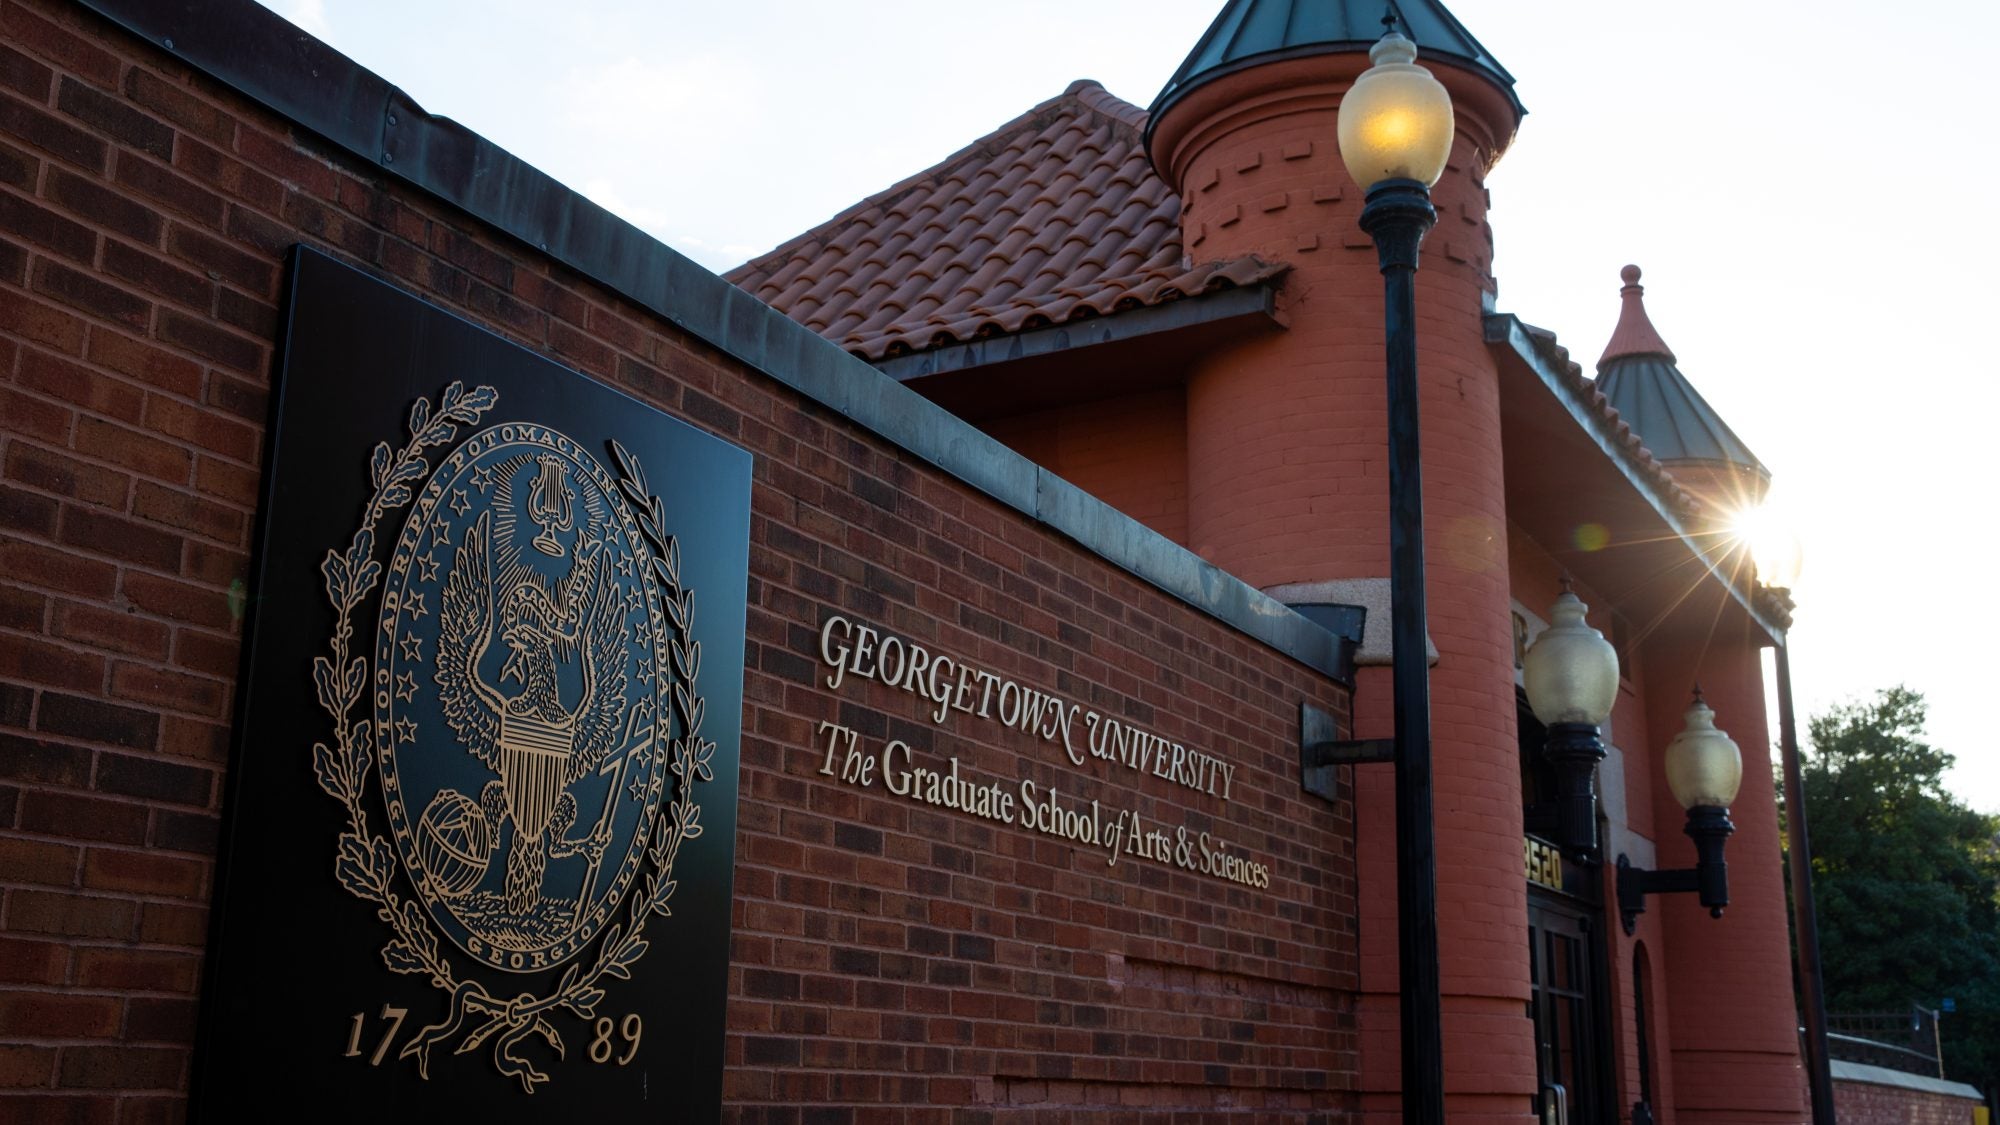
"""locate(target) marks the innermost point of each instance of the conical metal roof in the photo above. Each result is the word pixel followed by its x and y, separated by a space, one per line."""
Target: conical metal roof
pixel 1249 32
pixel 1640 379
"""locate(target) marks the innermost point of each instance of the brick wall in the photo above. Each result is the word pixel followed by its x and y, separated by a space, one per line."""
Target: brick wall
pixel 885 955
pixel 1734 1025
pixel 1865 1103
pixel 1129 451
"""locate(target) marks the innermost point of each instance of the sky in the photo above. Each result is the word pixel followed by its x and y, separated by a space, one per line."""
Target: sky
pixel 1801 183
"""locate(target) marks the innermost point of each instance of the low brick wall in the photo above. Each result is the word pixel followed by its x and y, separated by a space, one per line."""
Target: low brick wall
pixel 1873 1095
pixel 887 955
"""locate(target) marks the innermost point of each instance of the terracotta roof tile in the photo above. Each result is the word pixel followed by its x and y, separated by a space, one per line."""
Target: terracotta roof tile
pixel 1056 216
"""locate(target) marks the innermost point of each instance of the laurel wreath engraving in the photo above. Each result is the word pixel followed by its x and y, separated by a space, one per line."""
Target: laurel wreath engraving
pixel 367 865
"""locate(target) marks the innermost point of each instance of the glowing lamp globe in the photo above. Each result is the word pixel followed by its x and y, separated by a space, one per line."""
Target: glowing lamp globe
pixel 1395 121
pixel 1704 767
pixel 1570 672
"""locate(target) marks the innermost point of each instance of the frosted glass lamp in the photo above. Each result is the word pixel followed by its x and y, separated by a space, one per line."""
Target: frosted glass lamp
pixel 1395 121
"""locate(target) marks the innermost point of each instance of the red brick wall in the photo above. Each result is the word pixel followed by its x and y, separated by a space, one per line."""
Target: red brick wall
pixel 1130 452
pixel 1734 1021
pixel 1864 1103
pixel 885 955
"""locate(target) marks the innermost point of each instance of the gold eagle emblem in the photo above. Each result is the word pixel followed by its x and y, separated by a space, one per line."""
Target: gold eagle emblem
pixel 533 646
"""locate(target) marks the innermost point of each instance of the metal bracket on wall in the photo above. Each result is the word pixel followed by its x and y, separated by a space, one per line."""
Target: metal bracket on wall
pixel 1320 752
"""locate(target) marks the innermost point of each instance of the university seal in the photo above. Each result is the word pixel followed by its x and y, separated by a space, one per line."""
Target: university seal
pixel 527 711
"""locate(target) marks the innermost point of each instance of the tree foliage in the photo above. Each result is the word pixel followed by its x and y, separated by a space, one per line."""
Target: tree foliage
pixel 1904 877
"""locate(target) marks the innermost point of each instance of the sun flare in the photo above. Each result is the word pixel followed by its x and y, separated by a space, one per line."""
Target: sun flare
pixel 1774 547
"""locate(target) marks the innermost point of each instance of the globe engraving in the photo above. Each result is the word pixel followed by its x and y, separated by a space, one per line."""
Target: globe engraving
pixel 454 843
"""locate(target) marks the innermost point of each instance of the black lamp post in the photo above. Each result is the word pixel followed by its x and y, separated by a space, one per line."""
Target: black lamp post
pixel 1395 135
pixel 1571 677
pixel 1704 770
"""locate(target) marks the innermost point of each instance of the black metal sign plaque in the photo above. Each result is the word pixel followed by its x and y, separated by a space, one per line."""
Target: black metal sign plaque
pixel 479 841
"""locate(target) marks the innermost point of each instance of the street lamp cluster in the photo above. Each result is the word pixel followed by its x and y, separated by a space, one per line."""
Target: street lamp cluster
pixel 1570 674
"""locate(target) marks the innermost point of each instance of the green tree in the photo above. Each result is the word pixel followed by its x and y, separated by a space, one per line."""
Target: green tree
pixel 1905 877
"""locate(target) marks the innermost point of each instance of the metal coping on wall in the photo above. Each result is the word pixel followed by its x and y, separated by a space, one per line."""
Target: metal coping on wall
pixel 258 54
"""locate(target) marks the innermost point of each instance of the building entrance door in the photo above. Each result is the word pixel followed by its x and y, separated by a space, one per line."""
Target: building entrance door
pixel 1572 1047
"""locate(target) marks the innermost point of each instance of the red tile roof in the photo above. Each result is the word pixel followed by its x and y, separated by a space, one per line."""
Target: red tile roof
pixel 1055 216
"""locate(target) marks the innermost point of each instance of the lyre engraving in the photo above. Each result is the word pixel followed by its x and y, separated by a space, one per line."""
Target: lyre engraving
pixel 551 503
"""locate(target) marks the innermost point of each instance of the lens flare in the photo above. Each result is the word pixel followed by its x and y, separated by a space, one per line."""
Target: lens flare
pixel 1591 537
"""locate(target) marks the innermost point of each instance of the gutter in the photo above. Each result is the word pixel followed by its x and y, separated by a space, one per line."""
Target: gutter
pixel 1216 306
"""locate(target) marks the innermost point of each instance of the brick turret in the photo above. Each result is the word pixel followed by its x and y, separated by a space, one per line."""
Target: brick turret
pixel 1287 478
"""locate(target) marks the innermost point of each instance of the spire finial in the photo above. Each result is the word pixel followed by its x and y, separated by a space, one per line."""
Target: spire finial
pixel 1635 334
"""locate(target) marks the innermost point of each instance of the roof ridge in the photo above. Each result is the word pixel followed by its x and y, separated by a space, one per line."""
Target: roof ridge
pixel 1092 94
pixel 1086 93
pixel 1054 216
